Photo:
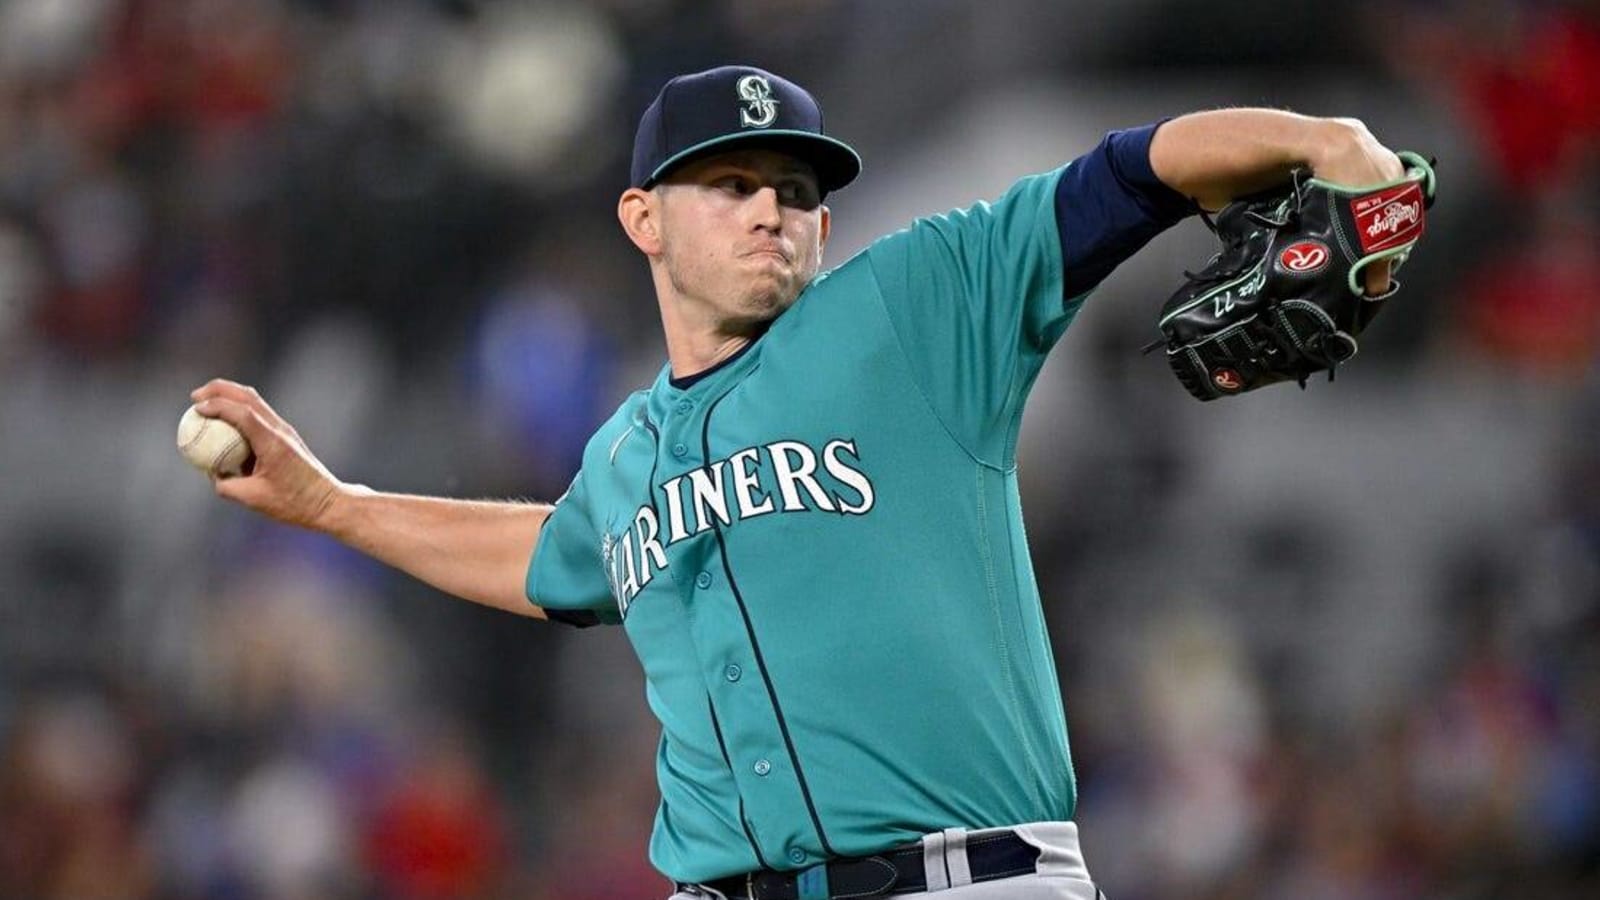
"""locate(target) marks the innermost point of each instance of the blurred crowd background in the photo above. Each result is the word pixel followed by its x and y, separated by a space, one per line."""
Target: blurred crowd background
pixel 1339 643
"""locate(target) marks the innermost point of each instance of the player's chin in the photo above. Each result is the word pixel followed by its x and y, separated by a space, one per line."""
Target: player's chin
pixel 764 307
pixel 773 295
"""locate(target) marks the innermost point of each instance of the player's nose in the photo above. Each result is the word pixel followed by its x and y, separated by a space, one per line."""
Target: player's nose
pixel 765 210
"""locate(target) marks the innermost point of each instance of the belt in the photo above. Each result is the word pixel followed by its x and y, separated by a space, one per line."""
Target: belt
pixel 897 871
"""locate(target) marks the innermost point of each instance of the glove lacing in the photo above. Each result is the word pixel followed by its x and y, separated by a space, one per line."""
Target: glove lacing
pixel 1314 348
pixel 1288 216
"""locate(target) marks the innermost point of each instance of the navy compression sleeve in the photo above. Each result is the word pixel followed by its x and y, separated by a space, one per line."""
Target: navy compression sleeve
pixel 1109 203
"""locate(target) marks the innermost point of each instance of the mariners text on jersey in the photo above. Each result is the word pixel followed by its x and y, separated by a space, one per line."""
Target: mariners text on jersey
pixel 780 477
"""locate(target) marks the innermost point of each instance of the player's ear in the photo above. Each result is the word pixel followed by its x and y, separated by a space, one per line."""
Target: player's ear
pixel 640 215
pixel 824 227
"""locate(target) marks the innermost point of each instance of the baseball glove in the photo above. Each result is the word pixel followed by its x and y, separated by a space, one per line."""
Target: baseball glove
pixel 1283 298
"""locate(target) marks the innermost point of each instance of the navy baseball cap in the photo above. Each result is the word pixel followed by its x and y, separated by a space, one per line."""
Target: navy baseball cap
pixel 731 107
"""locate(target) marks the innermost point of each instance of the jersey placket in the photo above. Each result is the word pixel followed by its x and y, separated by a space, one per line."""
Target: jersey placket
pixel 776 807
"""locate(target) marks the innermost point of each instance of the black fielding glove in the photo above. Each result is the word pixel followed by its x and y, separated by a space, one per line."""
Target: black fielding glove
pixel 1282 300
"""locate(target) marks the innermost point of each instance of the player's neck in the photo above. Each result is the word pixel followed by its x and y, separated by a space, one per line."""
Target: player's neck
pixel 696 343
pixel 691 354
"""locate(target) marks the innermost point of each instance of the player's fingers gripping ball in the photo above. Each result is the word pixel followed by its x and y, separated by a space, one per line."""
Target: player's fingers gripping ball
pixel 1283 298
pixel 212 445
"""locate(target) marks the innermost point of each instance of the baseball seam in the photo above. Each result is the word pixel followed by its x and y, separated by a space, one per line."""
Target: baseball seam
pixel 220 455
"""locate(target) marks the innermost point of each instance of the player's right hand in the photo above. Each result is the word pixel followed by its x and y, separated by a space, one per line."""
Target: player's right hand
pixel 1352 156
pixel 286 482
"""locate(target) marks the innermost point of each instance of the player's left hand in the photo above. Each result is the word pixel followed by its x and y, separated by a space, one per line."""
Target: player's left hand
pixel 1352 156
pixel 1290 290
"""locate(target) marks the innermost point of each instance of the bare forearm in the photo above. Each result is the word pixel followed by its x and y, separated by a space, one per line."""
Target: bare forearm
pixel 1218 155
pixel 474 549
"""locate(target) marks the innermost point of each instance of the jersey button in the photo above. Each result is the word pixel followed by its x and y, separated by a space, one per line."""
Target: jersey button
pixel 796 855
pixel 703 580
pixel 684 406
pixel 733 672
pixel 762 767
pixel 680 451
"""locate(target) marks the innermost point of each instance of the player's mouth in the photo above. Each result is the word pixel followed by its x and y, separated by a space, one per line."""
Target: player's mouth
pixel 763 252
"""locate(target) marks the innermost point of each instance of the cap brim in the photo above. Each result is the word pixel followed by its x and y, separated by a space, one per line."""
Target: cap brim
pixel 835 162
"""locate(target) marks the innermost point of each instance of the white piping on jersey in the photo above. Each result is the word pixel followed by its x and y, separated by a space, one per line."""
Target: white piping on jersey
pixel 616 444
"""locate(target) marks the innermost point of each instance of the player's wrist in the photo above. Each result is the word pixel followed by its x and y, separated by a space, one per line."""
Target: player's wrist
pixel 1327 142
pixel 340 510
pixel 1346 153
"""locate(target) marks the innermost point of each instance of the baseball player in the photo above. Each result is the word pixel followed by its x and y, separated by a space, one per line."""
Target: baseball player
pixel 809 524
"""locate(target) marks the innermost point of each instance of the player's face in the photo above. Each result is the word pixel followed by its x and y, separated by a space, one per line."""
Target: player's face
pixel 743 232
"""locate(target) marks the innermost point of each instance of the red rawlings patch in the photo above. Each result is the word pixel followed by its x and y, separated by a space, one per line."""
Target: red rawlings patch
pixel 1388 218
pixel 1304 257
pixel 1227 380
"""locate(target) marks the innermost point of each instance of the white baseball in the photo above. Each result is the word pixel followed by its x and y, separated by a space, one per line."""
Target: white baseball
pixel 212 445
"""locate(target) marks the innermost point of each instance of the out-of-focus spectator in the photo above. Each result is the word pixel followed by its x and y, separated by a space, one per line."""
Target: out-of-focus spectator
pixel 67 790
pixel 1526 78
pixel 21 287
pixel 539 371
pixel 287 836
pixel 441 831
pixel 1527 75
pixel 1535 305
pixel 607 860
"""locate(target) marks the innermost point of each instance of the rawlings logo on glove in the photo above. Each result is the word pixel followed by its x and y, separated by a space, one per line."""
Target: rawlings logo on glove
pixel 1305 258
pixel 1282 300
pixel 1388 218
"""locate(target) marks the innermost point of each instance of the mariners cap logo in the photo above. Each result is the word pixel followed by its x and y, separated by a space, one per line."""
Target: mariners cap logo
pixel 760 109
pixel 719 109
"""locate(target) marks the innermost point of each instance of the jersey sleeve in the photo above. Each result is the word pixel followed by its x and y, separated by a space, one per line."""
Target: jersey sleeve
pixel 1109 204
pixel 567 576
pixel 977 297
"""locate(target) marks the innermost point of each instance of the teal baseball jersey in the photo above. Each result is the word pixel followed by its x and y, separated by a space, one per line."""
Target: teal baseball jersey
pixel 817 552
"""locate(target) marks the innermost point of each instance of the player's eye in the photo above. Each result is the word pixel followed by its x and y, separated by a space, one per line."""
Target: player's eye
pixel 798 194
pixel 738 185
